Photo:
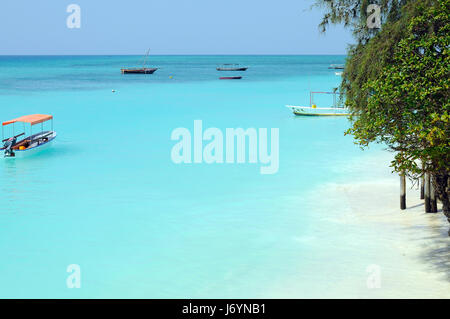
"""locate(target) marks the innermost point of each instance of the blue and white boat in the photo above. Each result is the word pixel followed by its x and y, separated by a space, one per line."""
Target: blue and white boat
pixel 338 109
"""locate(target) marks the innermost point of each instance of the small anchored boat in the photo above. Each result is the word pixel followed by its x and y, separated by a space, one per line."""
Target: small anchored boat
pixel 19 146
pixel 336 66
pixel 231 67
pixel 313 110
pixel 142 70
pixel 230 78
pixel 318 111
pixel 139 71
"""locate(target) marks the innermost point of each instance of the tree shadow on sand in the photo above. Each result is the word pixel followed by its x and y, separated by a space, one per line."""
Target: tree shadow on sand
pixel 436 252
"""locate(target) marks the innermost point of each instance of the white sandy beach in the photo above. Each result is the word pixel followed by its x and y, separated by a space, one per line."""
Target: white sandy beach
pixel 368 233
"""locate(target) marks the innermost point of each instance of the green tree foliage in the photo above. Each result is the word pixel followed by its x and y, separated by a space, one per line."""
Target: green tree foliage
pixel 396 82
pixel 353 14
pixel 406 105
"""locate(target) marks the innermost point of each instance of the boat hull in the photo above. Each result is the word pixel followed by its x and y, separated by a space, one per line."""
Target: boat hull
pixel 320 114
pixel 318 111
pixel 232 69
pixel 230 78
pixel 139 71
pixel 33 150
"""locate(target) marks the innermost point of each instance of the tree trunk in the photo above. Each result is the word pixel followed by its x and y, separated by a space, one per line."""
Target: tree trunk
pixel 440 181
pixel 427 193
pixel 422 187
pixel 433 197
pixel 402 191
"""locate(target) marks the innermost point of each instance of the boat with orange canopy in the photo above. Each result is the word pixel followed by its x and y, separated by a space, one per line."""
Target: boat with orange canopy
pixel 17 145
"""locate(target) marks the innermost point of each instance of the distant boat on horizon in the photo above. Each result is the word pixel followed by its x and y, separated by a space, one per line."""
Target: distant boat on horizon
pixel 230 78
pixel 231 67
pixel 336 66
pixel 142 70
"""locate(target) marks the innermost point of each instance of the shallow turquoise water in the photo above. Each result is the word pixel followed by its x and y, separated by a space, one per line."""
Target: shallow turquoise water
pixel 107 196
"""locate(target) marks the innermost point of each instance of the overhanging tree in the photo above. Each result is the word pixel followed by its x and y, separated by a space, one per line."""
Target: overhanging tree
pixel 396 82
pixel 408 103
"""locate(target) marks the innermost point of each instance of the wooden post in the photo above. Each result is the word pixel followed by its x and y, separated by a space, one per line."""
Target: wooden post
pixel 402 191
pixel 422 187
pixel 433 199
pixel 427 193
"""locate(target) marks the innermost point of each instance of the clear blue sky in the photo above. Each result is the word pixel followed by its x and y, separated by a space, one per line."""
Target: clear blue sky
pixel 167 27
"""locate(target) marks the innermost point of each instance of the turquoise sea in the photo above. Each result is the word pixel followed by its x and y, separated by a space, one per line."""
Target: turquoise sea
pixel 108 198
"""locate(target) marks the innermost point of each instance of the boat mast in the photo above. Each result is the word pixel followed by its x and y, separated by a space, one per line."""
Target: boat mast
pixel 145 58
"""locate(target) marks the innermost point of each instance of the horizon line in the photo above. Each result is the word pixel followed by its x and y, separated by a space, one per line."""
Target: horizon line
pixel 134 54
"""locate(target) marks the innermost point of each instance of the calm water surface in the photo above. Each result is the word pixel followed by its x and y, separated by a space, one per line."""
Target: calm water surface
pixel 107 196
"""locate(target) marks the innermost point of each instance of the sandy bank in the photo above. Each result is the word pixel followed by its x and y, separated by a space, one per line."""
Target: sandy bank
pixel 364 246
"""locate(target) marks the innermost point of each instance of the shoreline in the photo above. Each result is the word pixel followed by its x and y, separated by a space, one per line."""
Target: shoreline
pixel 358 227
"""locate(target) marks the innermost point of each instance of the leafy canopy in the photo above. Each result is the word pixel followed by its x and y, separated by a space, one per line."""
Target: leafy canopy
pixel 403 100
